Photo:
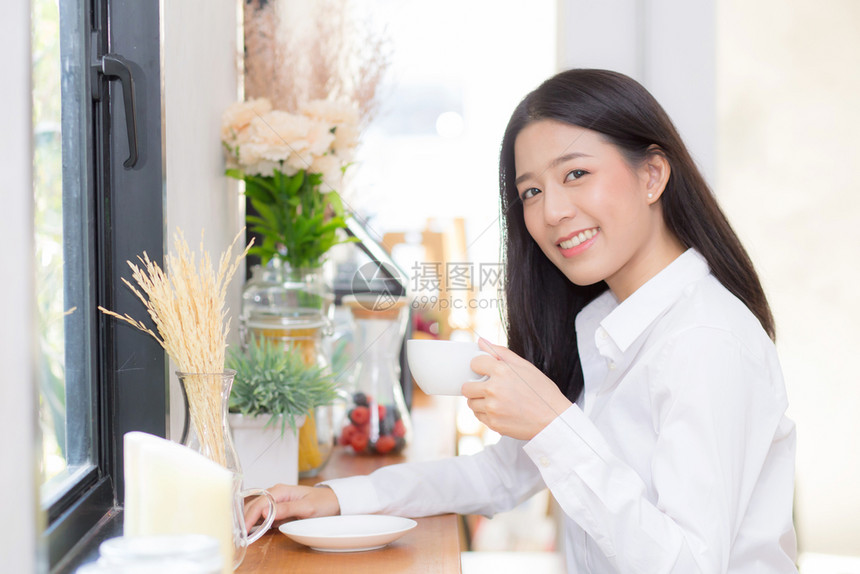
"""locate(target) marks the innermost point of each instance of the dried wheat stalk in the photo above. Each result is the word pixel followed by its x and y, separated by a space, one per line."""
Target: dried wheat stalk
pixel 188 306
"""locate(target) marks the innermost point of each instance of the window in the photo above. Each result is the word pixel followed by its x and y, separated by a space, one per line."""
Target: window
pixel 95 208
pixel 66 433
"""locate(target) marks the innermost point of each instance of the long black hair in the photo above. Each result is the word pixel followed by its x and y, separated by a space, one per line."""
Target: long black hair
pixel 541 303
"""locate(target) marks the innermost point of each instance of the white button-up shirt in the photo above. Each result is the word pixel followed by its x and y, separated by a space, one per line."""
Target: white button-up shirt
pixel 677 457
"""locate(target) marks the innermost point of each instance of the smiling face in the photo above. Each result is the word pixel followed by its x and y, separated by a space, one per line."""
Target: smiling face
pixel 589 210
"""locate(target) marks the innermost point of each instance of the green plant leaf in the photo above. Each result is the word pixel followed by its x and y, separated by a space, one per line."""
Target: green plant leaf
pixel 258 193
pixel 274 380
pixel 295 182
pixel 261 181
pixel 266 212
pixel 336 203
pixel 333 225
pixel 264 253
pixel 297 220
pixel 254 220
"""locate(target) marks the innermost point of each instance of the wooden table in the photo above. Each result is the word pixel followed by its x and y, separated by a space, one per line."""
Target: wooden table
pixel 432 547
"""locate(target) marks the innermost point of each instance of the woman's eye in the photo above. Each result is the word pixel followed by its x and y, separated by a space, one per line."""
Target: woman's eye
pixel 530 192
pixel 574 174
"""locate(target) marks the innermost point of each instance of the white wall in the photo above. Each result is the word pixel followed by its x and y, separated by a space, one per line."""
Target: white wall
pixel 667 45
pixel 200 81
pixel 789 87
pixel 18 479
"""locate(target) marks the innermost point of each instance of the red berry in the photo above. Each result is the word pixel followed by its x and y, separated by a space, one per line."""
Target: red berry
pixel 399 429
pixel 359 442
pixel 359 415
pixel 381 410
pixel 347 434
pixel 385 444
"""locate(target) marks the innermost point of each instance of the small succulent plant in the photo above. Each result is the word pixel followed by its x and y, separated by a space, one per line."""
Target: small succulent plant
pixel 274 380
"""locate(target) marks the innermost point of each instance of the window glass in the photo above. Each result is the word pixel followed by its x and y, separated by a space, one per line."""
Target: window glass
pixel 62 288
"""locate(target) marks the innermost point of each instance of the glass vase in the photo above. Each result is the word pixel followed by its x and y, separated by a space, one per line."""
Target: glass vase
pixel 207 431
pixel 377 421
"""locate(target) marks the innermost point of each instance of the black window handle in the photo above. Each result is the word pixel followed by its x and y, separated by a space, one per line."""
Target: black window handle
pixel 113 66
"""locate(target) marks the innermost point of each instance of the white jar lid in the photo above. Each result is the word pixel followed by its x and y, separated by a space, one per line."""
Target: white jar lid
pixel 159 567
pixel 189 553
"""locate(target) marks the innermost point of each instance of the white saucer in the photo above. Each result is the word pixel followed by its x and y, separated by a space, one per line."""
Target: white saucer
pixel 348 533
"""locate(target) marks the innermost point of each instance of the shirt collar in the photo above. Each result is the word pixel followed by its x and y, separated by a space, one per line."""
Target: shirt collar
pixel 631 318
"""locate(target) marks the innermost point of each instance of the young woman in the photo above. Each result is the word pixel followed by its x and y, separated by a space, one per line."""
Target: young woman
pixel 641 385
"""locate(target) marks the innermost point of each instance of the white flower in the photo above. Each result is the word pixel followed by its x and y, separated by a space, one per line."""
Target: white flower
pixel 265 168
pixel 252 153
pixel 330 112
pixel 280 128
pixel 299 160
pixel 238 116
pixel 330 168
pixel 346 140
pixel 320 139
pixel 248 154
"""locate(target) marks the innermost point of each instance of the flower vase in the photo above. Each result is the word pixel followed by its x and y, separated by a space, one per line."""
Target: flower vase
pixel 206 402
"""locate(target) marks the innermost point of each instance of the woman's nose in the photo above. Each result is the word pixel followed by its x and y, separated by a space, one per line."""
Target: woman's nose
pixel 558 206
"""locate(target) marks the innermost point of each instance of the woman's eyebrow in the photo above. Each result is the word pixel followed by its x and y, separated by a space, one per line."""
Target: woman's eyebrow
pixel 560 159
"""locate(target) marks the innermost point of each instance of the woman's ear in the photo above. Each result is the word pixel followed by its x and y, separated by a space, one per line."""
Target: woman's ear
pixel 656 173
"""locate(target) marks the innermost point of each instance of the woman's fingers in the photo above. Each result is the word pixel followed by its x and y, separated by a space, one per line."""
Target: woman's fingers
pixel 312 502
pixel 498 360
pixel 496 357
pixel 255 511
pixel 293 502
pixel 499 352
pixel 517 399
pixel 473 390
pixel 485 363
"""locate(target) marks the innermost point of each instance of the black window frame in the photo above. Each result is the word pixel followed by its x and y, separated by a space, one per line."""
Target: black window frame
pixel 125 218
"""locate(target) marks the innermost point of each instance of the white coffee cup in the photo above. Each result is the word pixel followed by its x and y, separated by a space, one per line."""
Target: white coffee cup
pixel 441 367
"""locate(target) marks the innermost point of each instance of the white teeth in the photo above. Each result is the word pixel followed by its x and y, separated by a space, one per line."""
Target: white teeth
pixel 577 239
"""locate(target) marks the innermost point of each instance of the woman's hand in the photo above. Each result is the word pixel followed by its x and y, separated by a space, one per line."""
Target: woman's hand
pixel 293 502
pixel 518 400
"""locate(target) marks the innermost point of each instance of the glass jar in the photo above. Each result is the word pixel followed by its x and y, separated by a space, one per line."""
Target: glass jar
pixel 278 300
pixel 377 421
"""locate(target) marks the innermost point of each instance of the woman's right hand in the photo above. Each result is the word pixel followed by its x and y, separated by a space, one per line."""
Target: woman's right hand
pixel 293 502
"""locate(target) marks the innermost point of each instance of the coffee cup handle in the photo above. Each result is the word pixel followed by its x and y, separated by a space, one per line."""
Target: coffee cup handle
pixel 483 378
pixel 255 533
